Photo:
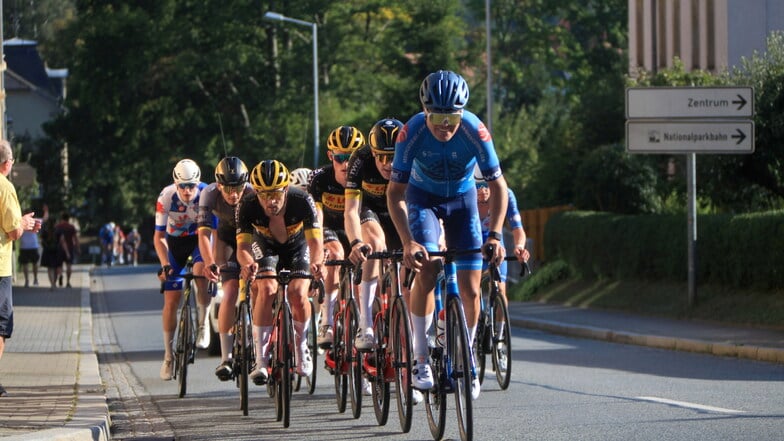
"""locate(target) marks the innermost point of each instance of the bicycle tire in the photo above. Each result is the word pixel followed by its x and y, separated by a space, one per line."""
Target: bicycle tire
pixel 502 341
pixel 241 356
pixel 435 398
pixel 338 354
pixel 378 381
pixel 457 341
pixel 313 347
pixel 286 366
pixel 401 360
pixel 482 329
pixel 184 346
pixel 353 359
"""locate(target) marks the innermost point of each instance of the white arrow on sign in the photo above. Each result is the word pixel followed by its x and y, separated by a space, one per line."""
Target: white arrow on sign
pixel 707 136
pixel 689 102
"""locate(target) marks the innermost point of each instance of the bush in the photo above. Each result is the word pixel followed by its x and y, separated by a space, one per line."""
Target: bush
pixel 540 279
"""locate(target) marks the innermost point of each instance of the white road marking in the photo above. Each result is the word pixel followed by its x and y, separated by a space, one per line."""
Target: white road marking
pixel 688 405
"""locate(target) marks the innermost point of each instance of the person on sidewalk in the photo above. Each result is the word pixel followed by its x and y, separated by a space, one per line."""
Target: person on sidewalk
pixel 13 224
pixel 67 246
pixel 51 258
pixel 29 255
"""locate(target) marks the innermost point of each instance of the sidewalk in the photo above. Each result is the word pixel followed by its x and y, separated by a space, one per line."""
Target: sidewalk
pixel 761 344
pixel 50 368
pixel 54 387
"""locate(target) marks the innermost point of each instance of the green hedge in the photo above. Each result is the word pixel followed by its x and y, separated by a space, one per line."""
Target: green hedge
pixel 737 250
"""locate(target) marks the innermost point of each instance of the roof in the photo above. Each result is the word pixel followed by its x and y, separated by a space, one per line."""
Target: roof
pixel 23 59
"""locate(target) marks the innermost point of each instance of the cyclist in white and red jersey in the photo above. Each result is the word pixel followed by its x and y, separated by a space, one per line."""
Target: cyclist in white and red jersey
pixel 217 206
pixel 175 240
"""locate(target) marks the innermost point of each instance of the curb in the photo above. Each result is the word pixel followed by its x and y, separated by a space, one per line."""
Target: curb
pixel 758 353
pixel 91 419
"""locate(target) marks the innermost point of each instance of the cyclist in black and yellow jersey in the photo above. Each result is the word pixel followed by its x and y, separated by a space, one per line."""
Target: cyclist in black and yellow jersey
pixel 327 186
pixel 278 228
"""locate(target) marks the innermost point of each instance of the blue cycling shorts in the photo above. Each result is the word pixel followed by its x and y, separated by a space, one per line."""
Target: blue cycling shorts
pixel 460 216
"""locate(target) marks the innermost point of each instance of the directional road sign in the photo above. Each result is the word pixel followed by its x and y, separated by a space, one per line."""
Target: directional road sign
pixel 689 102
pixel 690 136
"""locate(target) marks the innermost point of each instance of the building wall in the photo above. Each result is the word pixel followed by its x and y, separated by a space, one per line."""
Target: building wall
pixel 28 112
pixel 711 35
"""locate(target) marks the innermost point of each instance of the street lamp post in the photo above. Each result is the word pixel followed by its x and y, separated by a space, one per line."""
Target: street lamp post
pixel 274 16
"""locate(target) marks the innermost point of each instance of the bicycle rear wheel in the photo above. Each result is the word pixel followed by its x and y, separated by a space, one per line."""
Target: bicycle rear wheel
pixel 185 345
pixel 379 359
pixel 457 341
pixel 502 342
pixel 435 398
pixel 339 356
pixel 400 334
pixel 242 359
pixel 354 359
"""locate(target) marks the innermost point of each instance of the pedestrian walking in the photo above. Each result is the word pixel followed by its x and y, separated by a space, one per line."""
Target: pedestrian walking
pixel 29 255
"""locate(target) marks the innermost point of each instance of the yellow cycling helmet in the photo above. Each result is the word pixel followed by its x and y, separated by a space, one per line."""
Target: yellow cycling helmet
pixel 269 175
pixel 345 139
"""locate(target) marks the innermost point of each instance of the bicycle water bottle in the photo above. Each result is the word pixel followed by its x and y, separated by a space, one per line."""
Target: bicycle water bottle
pixel 441 328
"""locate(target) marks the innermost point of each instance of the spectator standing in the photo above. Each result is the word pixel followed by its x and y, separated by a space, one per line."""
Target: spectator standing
pixel 29 255
pixel 118 247
pixel 12 224
pixel 67 246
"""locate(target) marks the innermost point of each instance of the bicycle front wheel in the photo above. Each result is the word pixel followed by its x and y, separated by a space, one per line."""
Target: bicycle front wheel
pixel 283 364
pixel 400 334
pixel 242 358
pixel 312 347
pixel 339 356
pixel 458 348
pixel 354 359
pixel 184 346
pixel 502 341
pixel 376 373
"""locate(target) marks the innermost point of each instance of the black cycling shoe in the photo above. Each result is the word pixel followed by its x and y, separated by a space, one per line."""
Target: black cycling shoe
pixel 223 371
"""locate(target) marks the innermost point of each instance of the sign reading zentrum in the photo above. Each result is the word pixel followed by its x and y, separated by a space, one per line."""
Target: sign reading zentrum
pixel 689 120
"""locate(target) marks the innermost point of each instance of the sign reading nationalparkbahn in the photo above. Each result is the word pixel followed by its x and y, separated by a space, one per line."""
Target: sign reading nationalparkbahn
pixel 690 136
pixel 689 102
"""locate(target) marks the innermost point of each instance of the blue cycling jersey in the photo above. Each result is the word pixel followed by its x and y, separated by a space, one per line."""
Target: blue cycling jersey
pixel 444 168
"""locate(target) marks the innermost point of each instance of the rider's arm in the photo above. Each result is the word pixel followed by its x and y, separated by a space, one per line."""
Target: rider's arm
pixel 396 203
pixel 351 214
pixel 498 203
pixel 161 247
pixel 516 224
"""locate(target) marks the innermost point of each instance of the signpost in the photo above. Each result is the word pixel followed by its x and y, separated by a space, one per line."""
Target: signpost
pixel 690 120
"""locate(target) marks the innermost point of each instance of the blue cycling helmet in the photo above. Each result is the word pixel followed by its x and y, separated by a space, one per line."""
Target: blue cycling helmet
pixel 443 91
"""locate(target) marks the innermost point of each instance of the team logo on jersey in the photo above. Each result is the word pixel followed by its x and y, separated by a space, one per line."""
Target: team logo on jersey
pixel 401 137
pixel 374 189
pixel 332 201
pixel 484 134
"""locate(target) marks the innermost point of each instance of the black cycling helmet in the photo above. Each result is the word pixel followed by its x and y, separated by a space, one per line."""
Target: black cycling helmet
pixel 443 91
pixel 269 175
pixel 383 134
pixel 231 171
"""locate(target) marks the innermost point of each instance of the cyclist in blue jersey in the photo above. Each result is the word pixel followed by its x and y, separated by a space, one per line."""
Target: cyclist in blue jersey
pixel 432 182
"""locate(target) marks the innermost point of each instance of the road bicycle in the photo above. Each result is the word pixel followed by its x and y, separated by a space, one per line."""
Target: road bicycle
pixel 452 363
pixel 390 360
pixel 343 360
pixel 185 346
pixel 283 346
pixel 493 331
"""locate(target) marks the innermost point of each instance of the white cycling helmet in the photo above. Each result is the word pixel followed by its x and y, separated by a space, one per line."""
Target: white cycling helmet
pixel 186 172
pixel 300 177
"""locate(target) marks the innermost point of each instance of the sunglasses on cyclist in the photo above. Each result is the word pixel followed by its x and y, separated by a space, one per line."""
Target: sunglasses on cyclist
pixel 187 186
pixel 230 189
pixel 385 158
pixel 276 195
pixel 341 157
pixel 439 118
pixel 482 184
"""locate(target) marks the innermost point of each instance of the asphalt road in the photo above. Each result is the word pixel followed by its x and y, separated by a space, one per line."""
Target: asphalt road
pixel 562 389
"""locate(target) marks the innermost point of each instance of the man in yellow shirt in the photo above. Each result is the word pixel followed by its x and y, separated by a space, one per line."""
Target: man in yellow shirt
pixel 12 224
